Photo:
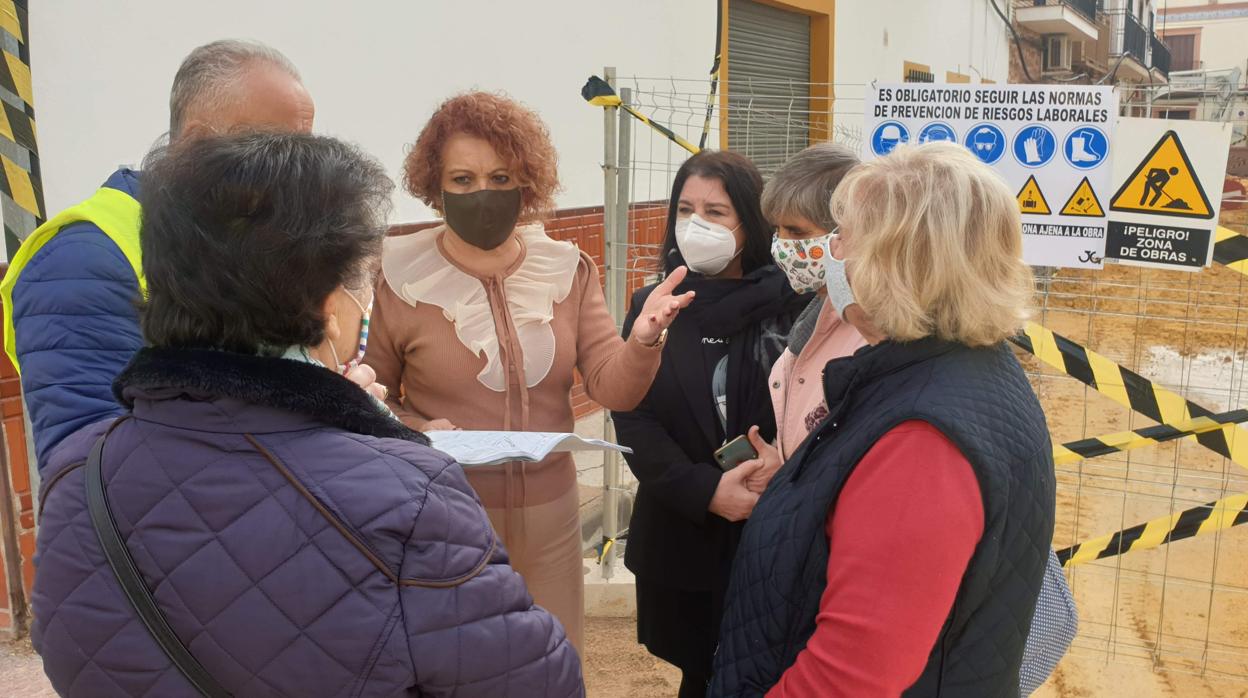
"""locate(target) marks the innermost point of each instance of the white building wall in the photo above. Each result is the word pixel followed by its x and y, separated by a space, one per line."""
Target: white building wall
pixel 102 70
pixel 1222 42
pixel 874 38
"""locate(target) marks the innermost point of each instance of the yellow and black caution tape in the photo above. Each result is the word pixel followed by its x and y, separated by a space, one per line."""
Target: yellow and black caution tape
pixel 1130 389
pixel 719 55
pixel 20 181
pixel 1197 521
pixel 1138 438
pixel 607 543
pixel 1230 249
pixel 599 93
pixel 710 101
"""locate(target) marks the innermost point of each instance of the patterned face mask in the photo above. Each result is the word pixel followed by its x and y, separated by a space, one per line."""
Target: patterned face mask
pixel 803 261
pixel 366 312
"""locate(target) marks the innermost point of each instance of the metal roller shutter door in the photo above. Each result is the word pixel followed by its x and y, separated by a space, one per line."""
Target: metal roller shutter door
pixel 768 82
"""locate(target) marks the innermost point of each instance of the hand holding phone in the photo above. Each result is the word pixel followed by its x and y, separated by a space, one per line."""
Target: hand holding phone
pixel 735 452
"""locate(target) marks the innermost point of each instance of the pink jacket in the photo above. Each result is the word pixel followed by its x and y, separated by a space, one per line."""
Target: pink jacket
pixel 797 380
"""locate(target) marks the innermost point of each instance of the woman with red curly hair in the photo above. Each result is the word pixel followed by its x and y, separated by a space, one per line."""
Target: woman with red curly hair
pixel 483 320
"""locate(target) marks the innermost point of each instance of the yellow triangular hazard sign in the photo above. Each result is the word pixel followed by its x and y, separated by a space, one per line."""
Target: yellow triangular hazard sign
pixel 1164 184
pixel 1083 202
pixel 1031 199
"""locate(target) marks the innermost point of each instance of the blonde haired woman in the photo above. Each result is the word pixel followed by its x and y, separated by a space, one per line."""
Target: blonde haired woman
pixel 902 546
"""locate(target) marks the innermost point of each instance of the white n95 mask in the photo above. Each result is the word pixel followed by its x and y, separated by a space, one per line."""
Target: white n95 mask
pixel 707 247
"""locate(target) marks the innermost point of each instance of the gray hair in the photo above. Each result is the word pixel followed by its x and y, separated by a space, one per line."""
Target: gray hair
pixel 804 184
pixel 214 211
pixel 208 72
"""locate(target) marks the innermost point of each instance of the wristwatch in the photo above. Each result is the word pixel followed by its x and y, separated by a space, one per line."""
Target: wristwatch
pixel 658 342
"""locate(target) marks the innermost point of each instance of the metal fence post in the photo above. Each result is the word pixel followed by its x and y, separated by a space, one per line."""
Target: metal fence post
pixel 616 245
pixel 610 191
pixel 617 261
pixel 610 173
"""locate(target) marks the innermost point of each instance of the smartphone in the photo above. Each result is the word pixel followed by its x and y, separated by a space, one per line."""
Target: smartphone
pixel 734 453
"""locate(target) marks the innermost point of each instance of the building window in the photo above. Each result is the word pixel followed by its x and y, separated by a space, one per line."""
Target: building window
pixel 917 72
pixel 1175 113
pixel 1182 51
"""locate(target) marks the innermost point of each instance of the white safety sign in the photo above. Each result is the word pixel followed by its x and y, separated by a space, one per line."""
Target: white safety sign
pixel 1167 189
pixel 1051 144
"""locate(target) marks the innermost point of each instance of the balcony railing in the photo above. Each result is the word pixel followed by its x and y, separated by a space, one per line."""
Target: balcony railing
pixel 1161 56
pixel 1087 8
pixel 1130 37
pixel 1075 19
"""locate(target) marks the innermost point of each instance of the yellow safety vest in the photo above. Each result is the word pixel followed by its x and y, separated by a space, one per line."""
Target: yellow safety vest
pixel 114 212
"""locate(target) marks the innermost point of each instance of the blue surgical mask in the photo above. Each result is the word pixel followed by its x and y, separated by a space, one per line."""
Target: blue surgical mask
pixel 840 295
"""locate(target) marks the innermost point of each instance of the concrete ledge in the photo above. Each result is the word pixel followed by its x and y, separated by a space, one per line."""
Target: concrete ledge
pixel 616 598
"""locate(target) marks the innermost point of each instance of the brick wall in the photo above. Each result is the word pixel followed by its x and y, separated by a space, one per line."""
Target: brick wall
pixel 1034 54
pixel 20 496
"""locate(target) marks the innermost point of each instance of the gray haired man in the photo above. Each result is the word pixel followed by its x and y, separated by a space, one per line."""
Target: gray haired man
pixel 71 321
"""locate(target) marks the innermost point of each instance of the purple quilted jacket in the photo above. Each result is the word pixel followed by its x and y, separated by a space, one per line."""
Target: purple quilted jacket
pixel 299 541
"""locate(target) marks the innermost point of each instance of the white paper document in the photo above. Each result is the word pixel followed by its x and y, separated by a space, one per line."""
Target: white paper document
pixel 494 447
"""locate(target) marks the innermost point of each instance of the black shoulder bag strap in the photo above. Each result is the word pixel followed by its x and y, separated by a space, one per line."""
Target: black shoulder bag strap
pixel 128 575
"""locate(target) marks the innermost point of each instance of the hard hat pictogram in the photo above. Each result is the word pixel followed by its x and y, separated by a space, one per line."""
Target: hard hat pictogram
pixel 1164 183
pixel 888 136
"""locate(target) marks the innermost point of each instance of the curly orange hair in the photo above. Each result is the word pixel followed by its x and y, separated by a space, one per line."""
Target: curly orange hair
pixel 517 135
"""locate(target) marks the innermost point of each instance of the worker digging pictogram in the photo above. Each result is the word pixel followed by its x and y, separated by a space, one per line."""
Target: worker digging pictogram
pixel 1164 183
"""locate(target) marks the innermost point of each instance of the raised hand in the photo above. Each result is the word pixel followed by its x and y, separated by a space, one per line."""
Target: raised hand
pixel 661 308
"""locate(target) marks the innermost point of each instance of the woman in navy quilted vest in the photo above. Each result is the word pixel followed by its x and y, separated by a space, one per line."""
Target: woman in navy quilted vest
pixel 255 523
pixel 901 548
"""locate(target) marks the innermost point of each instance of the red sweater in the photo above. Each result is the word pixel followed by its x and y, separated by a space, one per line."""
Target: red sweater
pixel 901 535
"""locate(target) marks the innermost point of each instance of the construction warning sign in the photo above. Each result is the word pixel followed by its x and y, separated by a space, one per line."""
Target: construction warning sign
pixel 1164 183
pixel 1031 199
pixel 1162 245
pixel 1083 202
pixel 1161 214
pixel 1051 143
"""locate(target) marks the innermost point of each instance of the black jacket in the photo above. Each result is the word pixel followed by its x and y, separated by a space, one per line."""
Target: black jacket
pixel 981 401
pixel 673 540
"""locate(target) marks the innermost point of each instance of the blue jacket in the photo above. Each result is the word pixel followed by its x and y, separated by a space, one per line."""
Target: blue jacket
pixel 300 541
pixel 75 316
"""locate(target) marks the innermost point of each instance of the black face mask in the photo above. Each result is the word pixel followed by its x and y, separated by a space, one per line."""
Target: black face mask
pixel 483 218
